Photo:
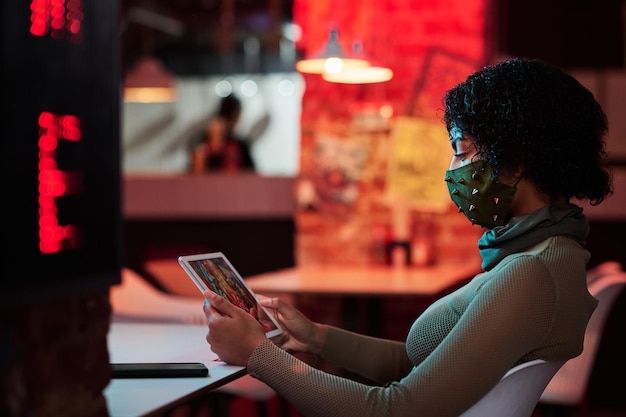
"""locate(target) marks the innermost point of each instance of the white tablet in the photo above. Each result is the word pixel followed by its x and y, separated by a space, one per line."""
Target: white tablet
pixel 213 271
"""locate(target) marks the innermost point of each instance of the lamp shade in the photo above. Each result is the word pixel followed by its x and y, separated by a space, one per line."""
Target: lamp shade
pixel 148 81
pixel 332 59
pixel 360 75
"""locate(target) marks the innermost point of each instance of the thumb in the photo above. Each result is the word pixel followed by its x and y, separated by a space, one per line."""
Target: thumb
pixel 220 304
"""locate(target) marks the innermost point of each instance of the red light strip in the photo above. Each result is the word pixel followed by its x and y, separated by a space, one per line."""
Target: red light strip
pixel 57 18
pixel 55 183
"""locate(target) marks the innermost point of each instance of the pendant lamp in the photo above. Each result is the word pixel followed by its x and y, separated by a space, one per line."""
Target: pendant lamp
pixel 369 74
pixel 331 60
pixel 148 81
pixel 361 75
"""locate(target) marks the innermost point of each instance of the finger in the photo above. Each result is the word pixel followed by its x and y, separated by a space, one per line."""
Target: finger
pixel 208 309
pixel 220 304
pixel 272 302
pixel 278 307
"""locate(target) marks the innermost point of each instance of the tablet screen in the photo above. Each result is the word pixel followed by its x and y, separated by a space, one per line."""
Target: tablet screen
pixel 213 271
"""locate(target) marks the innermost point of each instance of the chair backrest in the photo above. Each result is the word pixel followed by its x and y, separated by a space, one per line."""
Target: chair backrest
pixel 135 299
pixel 517 393
pixel 569 385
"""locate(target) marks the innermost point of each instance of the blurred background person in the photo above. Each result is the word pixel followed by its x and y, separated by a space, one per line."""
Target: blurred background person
pixel 220 148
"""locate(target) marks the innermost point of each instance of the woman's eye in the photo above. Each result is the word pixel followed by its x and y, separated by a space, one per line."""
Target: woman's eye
pixel 461 156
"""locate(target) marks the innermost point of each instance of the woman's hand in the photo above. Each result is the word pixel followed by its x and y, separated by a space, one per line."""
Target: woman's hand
pixel 233 333
pixel 300 333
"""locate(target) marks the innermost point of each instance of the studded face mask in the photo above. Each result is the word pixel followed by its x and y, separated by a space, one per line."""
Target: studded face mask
pixel 479 196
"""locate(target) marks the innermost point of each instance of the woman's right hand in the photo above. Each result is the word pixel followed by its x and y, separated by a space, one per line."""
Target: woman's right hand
pixel 301 334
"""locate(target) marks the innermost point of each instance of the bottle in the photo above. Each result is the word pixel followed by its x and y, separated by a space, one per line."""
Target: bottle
pixel 380 238
pixel 422 245
pixel 400 253
pixel 198 159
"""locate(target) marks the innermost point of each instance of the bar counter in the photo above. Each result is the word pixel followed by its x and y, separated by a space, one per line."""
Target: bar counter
pixel 207 196
pixel 167 215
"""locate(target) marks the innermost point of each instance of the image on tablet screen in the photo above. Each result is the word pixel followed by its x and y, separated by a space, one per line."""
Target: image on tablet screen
pixel 220 278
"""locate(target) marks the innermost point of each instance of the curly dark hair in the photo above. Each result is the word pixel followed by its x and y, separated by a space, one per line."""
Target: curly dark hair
pixel 527 116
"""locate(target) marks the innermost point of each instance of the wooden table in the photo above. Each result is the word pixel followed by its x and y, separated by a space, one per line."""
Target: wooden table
pixel 357 286
pixel 367 285
pixel 343 280
pixel 159 342
pixel 363 280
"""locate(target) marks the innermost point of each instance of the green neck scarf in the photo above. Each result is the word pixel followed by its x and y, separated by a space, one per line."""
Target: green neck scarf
pixel 523 232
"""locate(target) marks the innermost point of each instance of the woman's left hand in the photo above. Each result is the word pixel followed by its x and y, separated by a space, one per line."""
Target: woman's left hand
pixel 233 333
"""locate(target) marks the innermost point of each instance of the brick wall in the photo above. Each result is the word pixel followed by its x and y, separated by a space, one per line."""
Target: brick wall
pixel 430 46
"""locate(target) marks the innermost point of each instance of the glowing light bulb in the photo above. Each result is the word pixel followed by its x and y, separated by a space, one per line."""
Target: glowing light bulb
pixel 333 65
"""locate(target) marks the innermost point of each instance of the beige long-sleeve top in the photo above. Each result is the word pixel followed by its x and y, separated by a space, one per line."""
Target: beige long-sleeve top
pixel 532 305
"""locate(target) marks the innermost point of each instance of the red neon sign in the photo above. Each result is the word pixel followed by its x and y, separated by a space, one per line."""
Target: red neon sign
pixel 57 18
pixel 55 183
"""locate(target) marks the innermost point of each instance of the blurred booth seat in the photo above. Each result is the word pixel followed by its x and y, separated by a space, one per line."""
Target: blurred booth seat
pixel 166 216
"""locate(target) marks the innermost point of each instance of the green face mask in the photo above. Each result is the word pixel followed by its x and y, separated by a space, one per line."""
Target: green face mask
pixel 481 198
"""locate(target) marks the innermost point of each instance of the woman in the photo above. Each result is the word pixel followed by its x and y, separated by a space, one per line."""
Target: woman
pixel 221 149
pixel 527 139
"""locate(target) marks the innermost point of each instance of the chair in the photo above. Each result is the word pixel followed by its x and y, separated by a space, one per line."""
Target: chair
pixel 518 391
pixel 568 388
pixel 137 300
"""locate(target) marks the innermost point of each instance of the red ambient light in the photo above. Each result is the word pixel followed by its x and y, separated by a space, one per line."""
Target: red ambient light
pixel 55 183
